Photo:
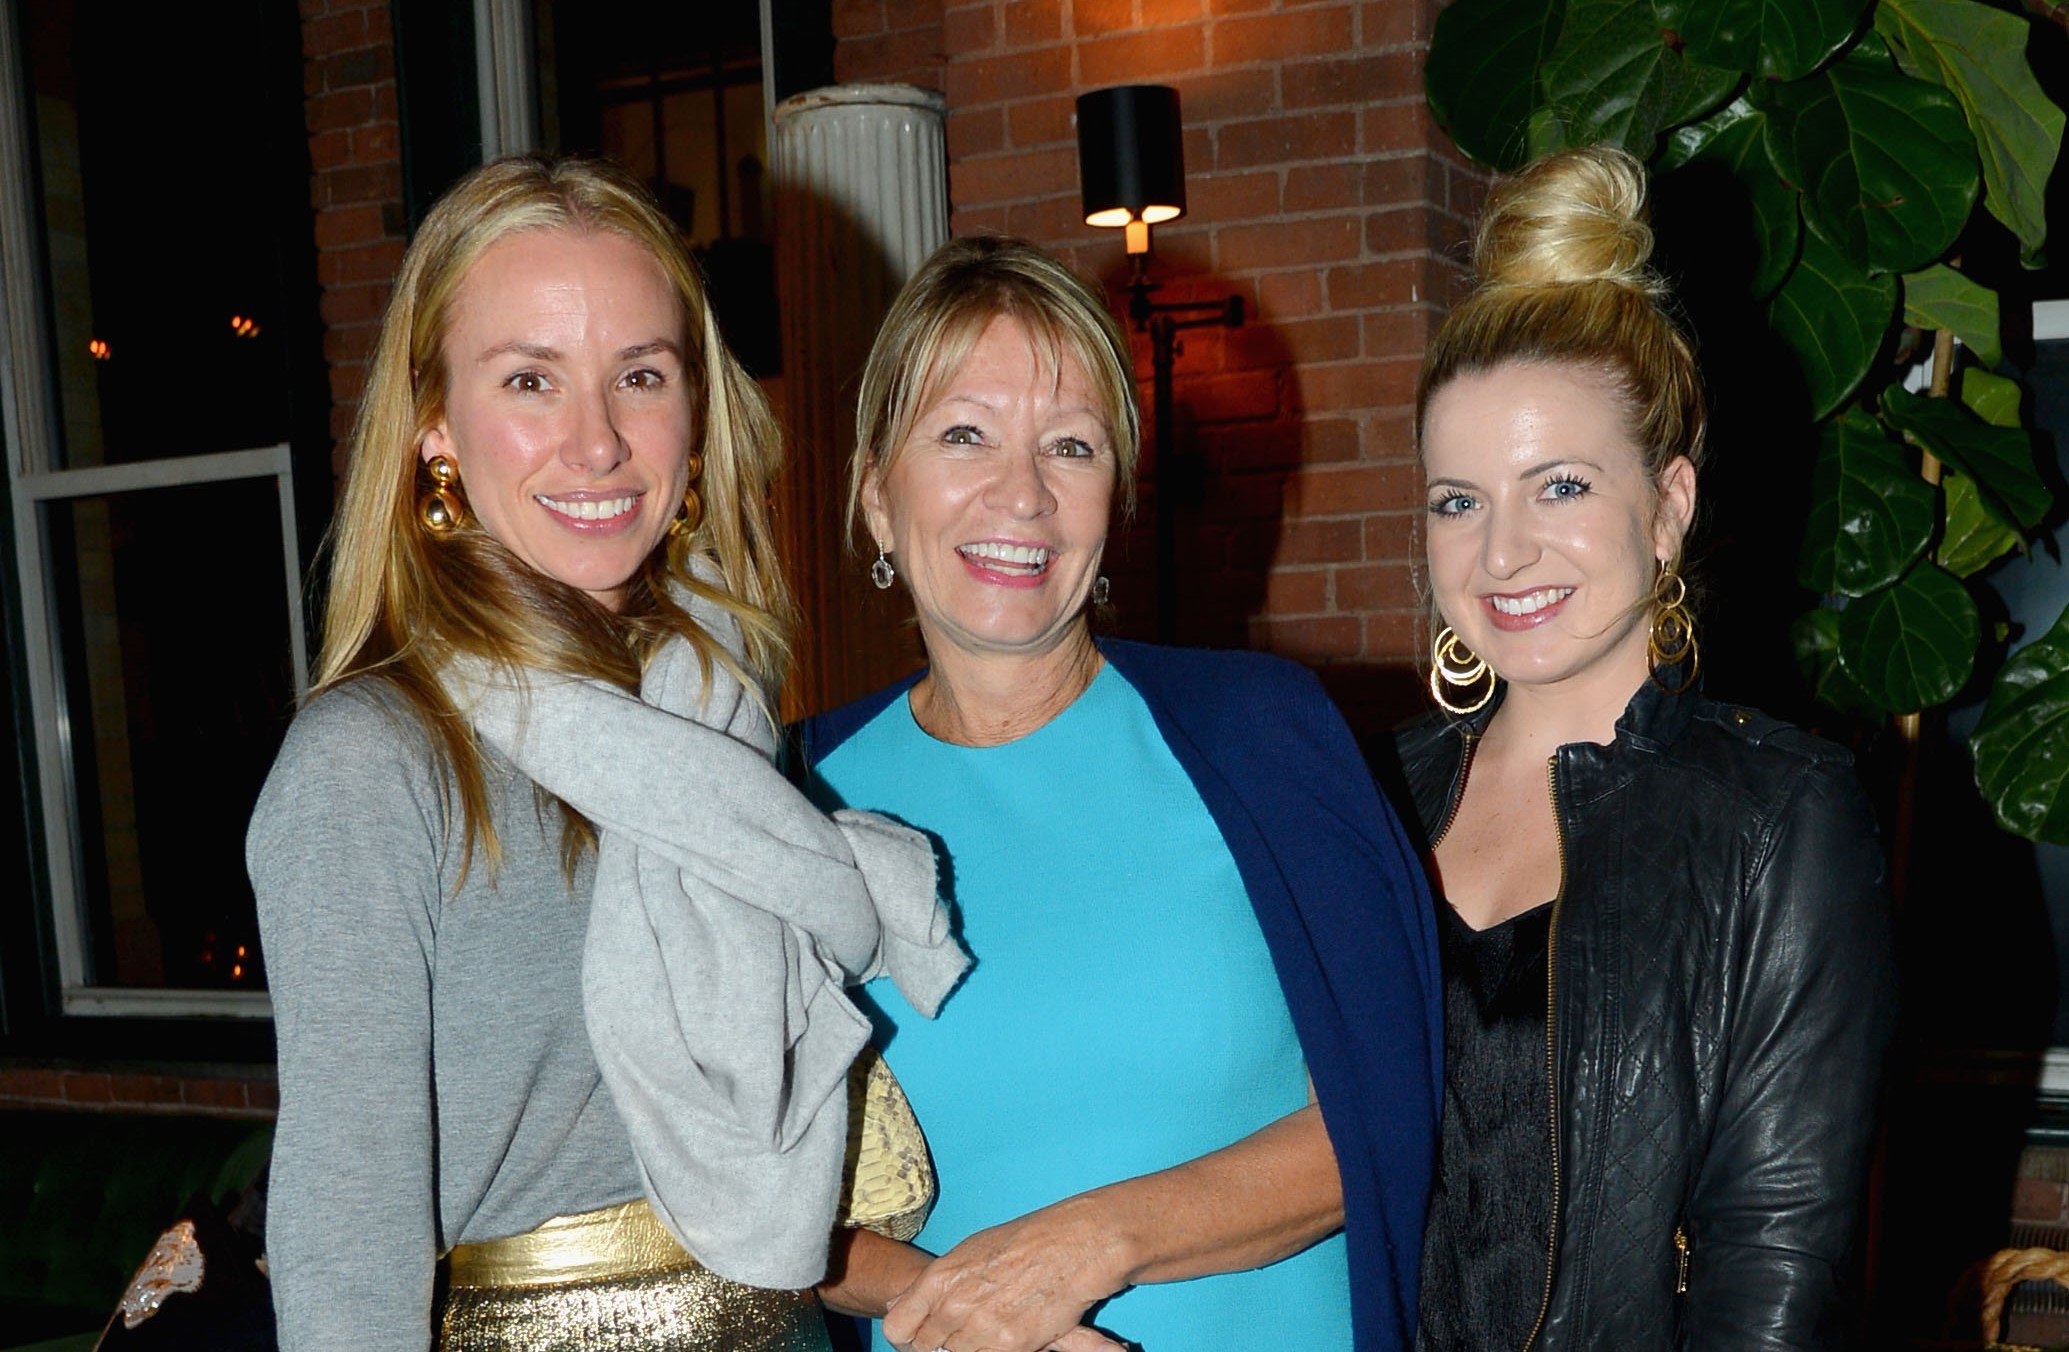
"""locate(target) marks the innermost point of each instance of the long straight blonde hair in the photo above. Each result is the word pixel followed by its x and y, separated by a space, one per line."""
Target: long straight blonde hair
pixel 404 601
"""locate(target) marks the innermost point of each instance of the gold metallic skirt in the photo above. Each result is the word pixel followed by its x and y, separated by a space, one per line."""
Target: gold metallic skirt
pixel 612 1279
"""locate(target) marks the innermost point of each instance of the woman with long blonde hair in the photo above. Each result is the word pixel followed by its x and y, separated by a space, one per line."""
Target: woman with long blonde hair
pixel 557 955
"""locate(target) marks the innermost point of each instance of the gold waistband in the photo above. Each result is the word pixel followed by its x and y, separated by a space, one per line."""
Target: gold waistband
pixel 627 1240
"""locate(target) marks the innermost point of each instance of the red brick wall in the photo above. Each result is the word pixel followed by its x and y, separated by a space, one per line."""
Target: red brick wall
pixel 99 1089
pixel 2040 1216
pixel 355 149
pixel 888 41
pixel 1318 190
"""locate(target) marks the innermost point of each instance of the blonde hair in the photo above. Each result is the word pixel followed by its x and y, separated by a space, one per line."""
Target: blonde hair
pixel 938 317
pixel 1563 264
pixel 402 601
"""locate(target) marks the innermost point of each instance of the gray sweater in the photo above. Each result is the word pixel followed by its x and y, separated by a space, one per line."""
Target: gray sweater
pixel 436 1080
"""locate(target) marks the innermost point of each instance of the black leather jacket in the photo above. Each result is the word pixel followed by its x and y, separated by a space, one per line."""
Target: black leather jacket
pixel 1723 992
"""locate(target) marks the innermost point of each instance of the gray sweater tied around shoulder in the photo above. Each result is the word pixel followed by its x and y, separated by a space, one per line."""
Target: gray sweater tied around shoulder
pixel 728 915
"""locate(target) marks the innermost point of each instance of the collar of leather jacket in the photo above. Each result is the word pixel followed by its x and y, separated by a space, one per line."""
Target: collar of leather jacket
pixel 1432 746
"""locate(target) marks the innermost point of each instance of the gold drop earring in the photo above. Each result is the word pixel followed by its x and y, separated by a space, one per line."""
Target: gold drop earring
pixel 1671 641
pixel 691 514
pixel 439 508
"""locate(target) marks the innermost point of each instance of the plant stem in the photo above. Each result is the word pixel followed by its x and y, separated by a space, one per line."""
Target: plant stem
pixel 1910 727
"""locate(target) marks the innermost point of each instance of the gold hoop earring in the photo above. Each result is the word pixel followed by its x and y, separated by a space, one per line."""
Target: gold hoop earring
pixel 439 508
pixel 691 514
pixel 1454 666
pixel 1671 641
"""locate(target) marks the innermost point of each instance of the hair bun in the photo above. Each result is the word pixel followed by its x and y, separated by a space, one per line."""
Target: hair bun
pixel 1569 218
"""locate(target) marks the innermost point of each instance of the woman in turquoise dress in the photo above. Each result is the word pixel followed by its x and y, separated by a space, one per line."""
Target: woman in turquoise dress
pixel 1187 1094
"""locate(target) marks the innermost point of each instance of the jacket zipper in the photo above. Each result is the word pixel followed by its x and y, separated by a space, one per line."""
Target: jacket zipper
pixel 1680 1261
pixel 1544 1306
pixel 1458 789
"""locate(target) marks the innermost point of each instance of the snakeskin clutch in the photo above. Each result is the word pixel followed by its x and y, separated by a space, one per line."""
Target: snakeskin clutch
pixel 888 1183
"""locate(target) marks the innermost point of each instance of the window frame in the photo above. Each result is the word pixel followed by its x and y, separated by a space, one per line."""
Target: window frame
pixel 51 1001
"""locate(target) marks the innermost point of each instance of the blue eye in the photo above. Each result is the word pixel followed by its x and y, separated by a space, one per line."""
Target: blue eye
pixel 1451 504
pixel 1566 487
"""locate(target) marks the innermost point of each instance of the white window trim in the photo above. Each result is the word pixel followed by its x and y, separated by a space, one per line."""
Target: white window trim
pixel 506 76
pixel 2050 320
pixel 28 422
pixel 63 843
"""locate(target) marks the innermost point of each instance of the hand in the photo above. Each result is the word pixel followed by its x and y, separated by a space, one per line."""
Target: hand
pixel 1019 1287
pixel 866 1271
pixel 1082 1339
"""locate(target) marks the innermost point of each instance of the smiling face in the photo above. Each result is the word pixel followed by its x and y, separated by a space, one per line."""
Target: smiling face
pixel 568 404
pixel 995 506
pixel 1546 530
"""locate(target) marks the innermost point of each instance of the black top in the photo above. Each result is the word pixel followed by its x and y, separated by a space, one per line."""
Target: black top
pixel 1484 1249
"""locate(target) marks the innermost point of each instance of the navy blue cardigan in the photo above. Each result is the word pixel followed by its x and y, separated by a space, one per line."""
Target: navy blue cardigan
pixel 1340 896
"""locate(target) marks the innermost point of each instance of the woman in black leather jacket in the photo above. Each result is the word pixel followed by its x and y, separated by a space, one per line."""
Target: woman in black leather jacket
pixel 1669 981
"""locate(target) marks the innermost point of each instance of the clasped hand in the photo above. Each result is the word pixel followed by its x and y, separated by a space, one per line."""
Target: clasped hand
pixel 1019 1287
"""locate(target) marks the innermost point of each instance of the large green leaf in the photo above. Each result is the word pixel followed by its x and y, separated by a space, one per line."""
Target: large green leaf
pixel 1734 137
pixel 1815 638
pixel 1911 645
pixel 1979 52
pixel 1994 399
pixel 1870 513
pixel 1481 79
pixel 1974 538
pixel 1546 133
pixel 2021 746
pixel 1999 459
pixel 1834 316
pixel 1941 298
pixel 1773 39
pixel 1615 77
pixel 1885 162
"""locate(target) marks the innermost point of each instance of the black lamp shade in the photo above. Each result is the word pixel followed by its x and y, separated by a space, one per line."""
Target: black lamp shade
pixel 1131 155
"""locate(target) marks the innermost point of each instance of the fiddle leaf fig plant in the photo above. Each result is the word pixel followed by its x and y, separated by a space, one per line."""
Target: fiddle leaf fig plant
pixel 1870 138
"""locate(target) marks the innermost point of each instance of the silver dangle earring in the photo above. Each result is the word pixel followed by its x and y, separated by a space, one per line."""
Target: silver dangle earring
pixel 881 572
pixel 1102 590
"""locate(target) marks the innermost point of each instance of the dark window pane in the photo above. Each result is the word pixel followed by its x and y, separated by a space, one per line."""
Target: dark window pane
pixel 172 623
pixel 674 93
pixel 174 181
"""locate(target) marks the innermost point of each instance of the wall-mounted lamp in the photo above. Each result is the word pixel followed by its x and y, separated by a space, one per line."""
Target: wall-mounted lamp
pixel 1131 159
pixel 1131 173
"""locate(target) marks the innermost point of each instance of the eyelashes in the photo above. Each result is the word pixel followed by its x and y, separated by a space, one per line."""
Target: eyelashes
pixel 1564 486
pixel 1064 447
